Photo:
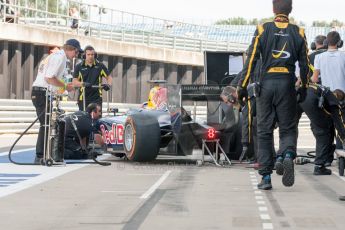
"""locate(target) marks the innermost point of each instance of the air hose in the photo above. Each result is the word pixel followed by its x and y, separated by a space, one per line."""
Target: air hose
pixel 94 156
pixel 14 144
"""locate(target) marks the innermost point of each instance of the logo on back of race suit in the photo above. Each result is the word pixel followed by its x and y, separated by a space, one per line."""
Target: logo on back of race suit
pixel 75 117
pixel 281 53
pixel 114 135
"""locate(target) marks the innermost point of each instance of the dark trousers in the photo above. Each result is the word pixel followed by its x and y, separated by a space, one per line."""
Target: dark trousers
pixel 337 112
pixel 89 101
pixel 249 124
pixel 332 106
pixel 248 114
pixel 73 149
pixel 39 101
pixel 321 126
pixel 276 104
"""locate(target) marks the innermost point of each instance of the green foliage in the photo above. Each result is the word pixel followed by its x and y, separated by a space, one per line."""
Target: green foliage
pixel 254 21
pixel 336 23
pixel 320 24
pixel 263 20
pixel 52 6
pixel 333 23
pixel 232 21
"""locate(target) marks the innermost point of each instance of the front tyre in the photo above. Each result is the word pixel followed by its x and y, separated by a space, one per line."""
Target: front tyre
pixel 141 137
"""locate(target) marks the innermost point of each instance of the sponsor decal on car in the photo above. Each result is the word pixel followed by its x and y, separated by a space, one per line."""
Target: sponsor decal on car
pixel 113 136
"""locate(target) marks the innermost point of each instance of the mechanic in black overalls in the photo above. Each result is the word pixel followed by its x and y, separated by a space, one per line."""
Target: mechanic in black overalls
pixel 249 126
pixel 91 72
pixel 323 114
pixel 86 123
pixel 318 47
pixel 279 44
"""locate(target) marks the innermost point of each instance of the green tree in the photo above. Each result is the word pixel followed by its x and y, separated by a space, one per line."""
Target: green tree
pixel 253 21
pixel 320 24
pixel 263 20
pixel 232 21
pixel 336 23
pixel 53 6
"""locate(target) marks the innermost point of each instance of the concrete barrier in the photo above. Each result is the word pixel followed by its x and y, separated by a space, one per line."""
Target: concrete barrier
pixel 17 115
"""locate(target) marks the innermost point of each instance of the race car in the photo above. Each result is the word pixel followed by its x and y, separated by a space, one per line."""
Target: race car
pixel 163 126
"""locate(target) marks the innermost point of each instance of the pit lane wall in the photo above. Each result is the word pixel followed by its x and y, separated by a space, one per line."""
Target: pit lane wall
pixel 22 47
pixel 17 115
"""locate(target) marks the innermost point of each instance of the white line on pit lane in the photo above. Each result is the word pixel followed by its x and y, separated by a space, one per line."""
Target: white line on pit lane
pixel 144 174
pixel 123 191
pixel 17 151
pixel 265 217
pixel 45 174
pixel 156 185
pixel 267 226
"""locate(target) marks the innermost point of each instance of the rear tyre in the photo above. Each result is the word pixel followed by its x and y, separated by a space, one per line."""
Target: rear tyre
pixel 141 137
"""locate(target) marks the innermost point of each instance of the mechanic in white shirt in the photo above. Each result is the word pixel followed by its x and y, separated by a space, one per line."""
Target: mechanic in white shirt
pixel 331 64
pixel 50 77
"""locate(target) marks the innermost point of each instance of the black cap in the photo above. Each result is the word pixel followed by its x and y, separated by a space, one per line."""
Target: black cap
pixel 75 43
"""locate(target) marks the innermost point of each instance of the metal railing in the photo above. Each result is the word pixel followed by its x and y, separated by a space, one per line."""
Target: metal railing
pixel 111 24
pixel 117 26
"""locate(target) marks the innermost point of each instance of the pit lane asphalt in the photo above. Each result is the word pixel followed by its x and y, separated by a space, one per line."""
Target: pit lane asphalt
pixel 170 193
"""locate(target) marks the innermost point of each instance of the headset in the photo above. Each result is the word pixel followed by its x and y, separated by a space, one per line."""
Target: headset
pixel 313 46
pixel 89 48
pixel 340 42
pixel 320 39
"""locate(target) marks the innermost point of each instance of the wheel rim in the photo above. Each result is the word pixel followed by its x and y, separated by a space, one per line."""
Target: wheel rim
pixel 128 137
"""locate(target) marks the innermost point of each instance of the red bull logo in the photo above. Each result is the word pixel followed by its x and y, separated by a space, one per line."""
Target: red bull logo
pixel 113 136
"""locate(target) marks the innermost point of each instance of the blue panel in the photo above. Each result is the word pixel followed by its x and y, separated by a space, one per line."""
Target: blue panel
pixel 17 175
pixel 8 182
pixel 2 179
pixel 22 157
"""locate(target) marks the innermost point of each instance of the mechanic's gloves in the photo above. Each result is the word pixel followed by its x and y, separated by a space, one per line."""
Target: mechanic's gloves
pixel 241 94
pixel 87 84
pixel 301 94
pixel 106 87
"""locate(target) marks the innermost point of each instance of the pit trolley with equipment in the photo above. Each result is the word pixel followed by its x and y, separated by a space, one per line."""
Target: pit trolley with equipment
pixel 54 134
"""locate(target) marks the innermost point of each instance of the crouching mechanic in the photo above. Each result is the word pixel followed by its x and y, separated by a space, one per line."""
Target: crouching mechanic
pixel 86 124
pixel 324 110
pixel 248 109
pixel 249 130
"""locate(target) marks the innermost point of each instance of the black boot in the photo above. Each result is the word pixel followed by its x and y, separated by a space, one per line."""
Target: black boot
pixel 279 166
pixel 321 170
pixel 289 171
pixel 265 183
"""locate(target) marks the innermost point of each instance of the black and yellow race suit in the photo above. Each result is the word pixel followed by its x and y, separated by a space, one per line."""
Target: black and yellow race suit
pixel 93 74
pixel 280 45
